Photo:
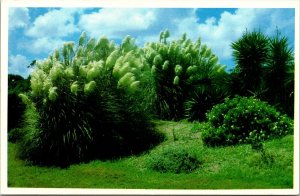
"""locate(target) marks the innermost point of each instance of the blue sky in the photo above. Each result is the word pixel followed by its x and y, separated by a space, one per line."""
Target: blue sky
pixel 34 33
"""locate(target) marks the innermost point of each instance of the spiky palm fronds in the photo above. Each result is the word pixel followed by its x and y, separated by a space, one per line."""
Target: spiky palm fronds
pixel 201 101
pixel 265 69
pixel 280 74
pixel 251 54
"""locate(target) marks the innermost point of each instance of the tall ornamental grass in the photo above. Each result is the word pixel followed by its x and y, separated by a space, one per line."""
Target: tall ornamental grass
pixel 86 101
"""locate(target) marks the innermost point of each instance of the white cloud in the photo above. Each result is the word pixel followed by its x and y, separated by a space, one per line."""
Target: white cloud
pixel 44 45
pixel 18 65
pixel 49 30
pixel 282 19
pixel 116 23
pixel 18 18
pixel 142 24
pixel 55 23
pixel 220 34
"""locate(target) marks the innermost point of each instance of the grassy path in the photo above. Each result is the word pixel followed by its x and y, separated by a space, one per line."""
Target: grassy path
pixel 223 168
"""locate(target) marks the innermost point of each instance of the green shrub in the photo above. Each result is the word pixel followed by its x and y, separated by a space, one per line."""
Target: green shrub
pixel 29 148
pixel 14 135
pixel 89 104
pixel 174 160
pixel 16 84
pixel 199 103
pixel 244 120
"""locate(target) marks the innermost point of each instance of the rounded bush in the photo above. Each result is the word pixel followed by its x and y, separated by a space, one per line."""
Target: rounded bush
pixel 244 120
pixel 173 160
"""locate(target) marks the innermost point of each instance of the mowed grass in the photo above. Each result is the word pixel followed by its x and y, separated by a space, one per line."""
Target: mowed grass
pixel 236 167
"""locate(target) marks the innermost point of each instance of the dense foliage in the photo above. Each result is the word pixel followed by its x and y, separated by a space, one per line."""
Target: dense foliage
pixel 183 71
pixel 279 75
pixel 86 101
pixel 16 85
pixel 251 54
pixel 264 69
pixel 244 120
pixel 174 160
pixel 96 99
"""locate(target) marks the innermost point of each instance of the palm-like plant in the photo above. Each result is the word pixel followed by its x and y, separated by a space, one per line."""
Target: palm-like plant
pixel 280 74
pixel 265 69
pixel 251 55
pixel 210 87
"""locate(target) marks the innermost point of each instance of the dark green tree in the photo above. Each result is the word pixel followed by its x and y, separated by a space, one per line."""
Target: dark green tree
pixel 250 53
pixel 264 69
pixel 280 74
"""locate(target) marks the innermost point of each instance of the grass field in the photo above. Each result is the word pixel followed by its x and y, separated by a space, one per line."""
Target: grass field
pixel 237 167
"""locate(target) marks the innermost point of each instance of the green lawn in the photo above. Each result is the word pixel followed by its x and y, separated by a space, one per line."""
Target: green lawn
pixel 236 167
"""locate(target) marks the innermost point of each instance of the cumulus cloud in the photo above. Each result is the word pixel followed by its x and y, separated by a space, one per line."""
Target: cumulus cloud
pixel 55 23
pixel 145 25
pixel 18 18
pixel 142 24
pixel 44 45
pixel 116 23
pixel 170 19
pixel 18 65
pixel 49 30
pixel 220 34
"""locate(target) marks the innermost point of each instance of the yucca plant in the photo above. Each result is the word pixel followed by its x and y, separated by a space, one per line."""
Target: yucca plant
pixel 280 74
pixel 88 101
pixel 250 53
pixel 265 69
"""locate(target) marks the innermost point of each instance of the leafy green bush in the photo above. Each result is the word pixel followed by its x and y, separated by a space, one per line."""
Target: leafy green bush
pixel 90 104
pixel 244 120
pixel 174 160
